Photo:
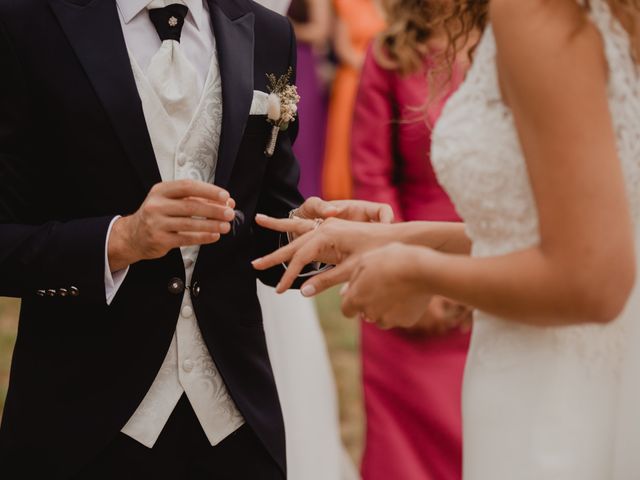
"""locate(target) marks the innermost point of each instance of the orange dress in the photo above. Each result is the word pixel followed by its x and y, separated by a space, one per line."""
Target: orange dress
pixel 364 21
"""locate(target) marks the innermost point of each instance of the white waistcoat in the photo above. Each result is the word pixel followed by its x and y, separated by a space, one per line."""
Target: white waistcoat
pixel 185 152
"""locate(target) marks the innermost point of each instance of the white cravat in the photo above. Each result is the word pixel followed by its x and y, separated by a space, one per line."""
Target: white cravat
pixel 172 76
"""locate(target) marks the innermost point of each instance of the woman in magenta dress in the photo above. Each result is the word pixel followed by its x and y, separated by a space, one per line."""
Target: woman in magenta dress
pixel 311 21
pixel 412 380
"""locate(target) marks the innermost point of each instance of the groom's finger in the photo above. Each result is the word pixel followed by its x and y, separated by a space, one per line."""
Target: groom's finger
pixel 296 225
pixel 385 214
pixel 363 211
pixel 315 207
pixel 192 188
pixel 323 281
pixel 196 207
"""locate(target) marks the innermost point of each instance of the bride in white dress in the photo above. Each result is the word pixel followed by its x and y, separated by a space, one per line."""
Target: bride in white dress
pixel 540 152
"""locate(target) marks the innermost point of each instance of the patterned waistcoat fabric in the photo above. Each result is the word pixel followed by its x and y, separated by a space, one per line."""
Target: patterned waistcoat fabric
pixel 185 152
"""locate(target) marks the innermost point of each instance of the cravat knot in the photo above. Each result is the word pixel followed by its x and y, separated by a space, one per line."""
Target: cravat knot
pixel 169 20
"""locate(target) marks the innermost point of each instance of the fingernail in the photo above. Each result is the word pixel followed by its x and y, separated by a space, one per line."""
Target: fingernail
pixel 344 289
pixel 229 214
pixel 308 291
pixel 278 287
pixel 260 215
pixel 257 260
pixel 223 196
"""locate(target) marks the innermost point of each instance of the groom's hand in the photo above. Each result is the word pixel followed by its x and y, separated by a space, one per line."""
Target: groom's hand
pixel 174 214
pixel 354 210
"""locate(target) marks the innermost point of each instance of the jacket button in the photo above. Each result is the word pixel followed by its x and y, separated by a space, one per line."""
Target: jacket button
pixel 51 293
pixel 195 289
pixel 74 291
pixel 63 292
pixel 176 286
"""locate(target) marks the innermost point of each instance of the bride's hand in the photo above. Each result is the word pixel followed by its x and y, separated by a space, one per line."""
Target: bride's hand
pixel 385 287
pixel 333 242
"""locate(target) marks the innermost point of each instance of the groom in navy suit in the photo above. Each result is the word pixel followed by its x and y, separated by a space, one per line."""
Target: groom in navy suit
pixel 83 199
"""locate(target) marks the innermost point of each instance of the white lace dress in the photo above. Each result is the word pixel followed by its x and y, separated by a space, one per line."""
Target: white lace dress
pixel 540 403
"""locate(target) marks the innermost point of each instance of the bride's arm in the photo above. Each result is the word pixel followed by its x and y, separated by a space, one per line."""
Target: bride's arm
pixel 354 237
pixel 554 77
pixel 445 237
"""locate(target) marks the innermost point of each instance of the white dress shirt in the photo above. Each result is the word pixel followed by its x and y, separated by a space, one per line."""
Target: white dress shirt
pixel 198 45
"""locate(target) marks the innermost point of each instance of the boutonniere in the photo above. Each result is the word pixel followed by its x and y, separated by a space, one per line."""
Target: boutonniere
pixel 282 107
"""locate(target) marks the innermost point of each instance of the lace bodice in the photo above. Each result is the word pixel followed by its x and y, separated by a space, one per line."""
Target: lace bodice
pixel 539 402
pixel 477 155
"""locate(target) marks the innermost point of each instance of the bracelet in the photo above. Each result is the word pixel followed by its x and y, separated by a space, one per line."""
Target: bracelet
pixel 318 267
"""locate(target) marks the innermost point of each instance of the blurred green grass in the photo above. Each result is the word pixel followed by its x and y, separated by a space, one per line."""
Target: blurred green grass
pixel 342 341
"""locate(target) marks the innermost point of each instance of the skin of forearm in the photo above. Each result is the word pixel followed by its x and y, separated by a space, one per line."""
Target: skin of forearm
pixel 445 237
pixel 526 287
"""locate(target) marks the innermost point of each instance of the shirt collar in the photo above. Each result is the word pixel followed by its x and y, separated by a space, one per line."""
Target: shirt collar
pixel 132 8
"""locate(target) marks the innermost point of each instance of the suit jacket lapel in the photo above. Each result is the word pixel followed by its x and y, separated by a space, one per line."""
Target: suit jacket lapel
pixel 233 29
pixel 94 31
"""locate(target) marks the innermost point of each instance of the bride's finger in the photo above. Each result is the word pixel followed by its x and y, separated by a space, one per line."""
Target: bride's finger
pixel 280 256
pixel 323 281
pixel 296 225
pixel 307 254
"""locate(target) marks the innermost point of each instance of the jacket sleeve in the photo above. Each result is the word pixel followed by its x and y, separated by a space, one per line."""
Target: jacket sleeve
pixel 372 151
pixel 280 192
pixel 38 256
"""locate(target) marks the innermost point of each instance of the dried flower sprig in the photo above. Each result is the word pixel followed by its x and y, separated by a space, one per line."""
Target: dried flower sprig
pixel 282 106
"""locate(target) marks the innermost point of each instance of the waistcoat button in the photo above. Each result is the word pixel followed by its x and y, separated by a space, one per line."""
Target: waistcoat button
pixel 176 286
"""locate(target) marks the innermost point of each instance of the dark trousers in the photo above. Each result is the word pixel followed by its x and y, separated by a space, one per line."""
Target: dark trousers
pixel 183 453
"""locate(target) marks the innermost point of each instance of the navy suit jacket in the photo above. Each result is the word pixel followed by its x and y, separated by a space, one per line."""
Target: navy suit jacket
pixel 75 152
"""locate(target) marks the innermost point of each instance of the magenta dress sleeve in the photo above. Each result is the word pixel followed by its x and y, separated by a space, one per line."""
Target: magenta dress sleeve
pixel 371 139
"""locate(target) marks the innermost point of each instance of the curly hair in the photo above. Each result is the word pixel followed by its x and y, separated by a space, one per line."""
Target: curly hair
pixel 402 46
pixel 468 15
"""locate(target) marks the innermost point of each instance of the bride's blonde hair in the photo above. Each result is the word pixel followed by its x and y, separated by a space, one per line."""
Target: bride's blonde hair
pixel 467 15
pixel 402 46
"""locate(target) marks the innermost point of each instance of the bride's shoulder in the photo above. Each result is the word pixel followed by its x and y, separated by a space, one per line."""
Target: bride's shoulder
pixel 527 30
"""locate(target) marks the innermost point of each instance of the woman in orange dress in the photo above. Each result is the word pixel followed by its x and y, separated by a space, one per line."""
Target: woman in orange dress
pixel 357 23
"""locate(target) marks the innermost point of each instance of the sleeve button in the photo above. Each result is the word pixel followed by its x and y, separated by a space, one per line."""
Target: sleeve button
pixel 74 292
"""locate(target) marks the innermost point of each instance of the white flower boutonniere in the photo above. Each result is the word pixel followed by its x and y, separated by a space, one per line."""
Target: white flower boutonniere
pixel 282 107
